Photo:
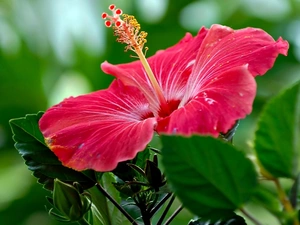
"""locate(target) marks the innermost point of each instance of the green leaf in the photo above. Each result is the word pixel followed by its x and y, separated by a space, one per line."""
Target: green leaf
pixel 210 177
pixel 39 158
pixel 277 136
pixel 28 125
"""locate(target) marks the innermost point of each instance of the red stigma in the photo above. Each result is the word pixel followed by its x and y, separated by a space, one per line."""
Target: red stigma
pixel 112 7
pixel 118 12
pixel 108 23
pixel 113 19
pixel 104 15
pixel 118 23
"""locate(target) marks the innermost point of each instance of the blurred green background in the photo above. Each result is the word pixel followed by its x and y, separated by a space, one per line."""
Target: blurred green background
pixel 51 49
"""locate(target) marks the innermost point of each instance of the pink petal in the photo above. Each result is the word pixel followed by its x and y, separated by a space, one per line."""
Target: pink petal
pixel 223 49
pixel 216 107
pixel 98 130
pixel 171 67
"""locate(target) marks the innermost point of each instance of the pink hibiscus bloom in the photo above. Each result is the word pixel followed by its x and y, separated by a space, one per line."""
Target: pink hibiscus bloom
pixel 202 86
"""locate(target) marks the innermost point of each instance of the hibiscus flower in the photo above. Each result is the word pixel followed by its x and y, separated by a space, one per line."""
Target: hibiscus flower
pixel 200 86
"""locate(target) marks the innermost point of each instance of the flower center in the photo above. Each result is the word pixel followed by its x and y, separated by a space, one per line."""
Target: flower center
pixel 172 106
pixel 128 32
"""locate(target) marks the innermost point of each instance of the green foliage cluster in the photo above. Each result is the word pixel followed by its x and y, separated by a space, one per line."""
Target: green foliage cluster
pixel 211 177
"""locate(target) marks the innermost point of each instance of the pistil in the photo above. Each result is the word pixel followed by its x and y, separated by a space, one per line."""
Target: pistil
pixel 128 32
pixel 152 78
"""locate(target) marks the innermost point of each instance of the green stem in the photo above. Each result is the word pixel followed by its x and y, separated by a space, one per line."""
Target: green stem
pixel 145 216
pixel 173 215
pixel 159 205
pixel 285 202
pixel 150 207
pixel 116 204
pixel 254 220
pixel 282 197
pixel 161 219
pixel 144 212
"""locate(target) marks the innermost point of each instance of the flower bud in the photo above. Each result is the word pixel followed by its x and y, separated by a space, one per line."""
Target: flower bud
pixel 69 202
